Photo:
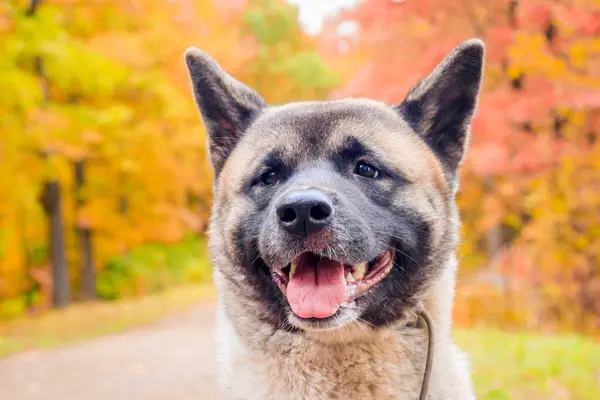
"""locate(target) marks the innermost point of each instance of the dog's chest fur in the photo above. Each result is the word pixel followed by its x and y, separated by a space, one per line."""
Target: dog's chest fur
pixel 294 366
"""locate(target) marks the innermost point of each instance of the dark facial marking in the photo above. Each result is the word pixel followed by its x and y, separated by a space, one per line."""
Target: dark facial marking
pixel 261 283
pixel 412 269
pixel 351 151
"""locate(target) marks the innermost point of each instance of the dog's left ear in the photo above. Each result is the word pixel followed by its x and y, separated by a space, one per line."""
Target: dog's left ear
pixel 440 107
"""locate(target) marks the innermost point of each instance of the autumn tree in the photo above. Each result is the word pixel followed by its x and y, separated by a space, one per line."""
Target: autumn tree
pixel 96 102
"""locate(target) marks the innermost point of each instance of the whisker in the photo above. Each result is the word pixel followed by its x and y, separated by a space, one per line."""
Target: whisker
pixel 400 251
pixel 344 250
pixel 246 239
pixel 363 321
pixel 341 330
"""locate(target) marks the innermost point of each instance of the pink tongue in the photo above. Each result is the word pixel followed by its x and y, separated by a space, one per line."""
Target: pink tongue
pixel 316 291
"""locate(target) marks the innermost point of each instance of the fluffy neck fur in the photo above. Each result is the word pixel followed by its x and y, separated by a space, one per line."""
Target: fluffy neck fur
pixel 258 362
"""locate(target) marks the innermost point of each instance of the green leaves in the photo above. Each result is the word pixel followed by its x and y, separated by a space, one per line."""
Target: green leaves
pixel 287 66
pixel 309 70
pixel 272 22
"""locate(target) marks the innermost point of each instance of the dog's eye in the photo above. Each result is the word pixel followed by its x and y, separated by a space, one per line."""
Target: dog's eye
pixel 269 177
pixel 367 170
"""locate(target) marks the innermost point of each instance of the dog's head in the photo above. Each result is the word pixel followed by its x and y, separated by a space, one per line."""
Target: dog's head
pixel 332 212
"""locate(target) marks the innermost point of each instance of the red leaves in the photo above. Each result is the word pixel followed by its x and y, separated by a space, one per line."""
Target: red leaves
pixel 583 99
pixel 534 16
pixel 534 101
pixel 499 38
pixel 537 125
pixel 388 76
pixel 584 19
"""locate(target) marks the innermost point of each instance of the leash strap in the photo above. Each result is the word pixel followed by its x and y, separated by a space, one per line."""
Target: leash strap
pixel 426 318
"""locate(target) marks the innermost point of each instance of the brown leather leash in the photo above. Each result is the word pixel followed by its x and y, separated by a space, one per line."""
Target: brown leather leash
pixel 424 316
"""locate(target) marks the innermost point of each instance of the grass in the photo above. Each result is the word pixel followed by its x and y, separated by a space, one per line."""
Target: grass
pixel 506 365
pixel 518 365
pixel 85 321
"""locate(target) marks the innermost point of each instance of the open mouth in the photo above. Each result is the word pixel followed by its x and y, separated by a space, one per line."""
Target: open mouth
pixel 317 286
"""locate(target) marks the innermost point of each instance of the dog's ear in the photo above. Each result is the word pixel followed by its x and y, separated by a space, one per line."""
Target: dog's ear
pixel 227 106
pixel 441 105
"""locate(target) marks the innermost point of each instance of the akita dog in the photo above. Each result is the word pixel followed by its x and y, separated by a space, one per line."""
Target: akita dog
pixel 334 227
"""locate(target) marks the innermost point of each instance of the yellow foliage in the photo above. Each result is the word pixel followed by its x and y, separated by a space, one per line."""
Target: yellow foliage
pixel 105 85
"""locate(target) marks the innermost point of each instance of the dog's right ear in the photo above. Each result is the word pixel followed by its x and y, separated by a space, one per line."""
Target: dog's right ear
pixel 227 106
pixel 440 106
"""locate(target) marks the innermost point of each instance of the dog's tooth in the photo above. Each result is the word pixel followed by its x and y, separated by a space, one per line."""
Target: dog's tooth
pixel 349 278
pixel 293 266
pixel 360 270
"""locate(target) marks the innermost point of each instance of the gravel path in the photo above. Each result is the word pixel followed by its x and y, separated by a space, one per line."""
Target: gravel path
pixel 170 359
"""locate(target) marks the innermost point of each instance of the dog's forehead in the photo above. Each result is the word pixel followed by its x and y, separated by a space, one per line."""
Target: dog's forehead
pixel 323 124
pixel 320 128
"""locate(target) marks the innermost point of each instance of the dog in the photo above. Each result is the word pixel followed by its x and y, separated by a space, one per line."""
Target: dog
pixel 333 224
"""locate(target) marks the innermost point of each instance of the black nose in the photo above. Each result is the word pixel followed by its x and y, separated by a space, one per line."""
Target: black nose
pixel 302 213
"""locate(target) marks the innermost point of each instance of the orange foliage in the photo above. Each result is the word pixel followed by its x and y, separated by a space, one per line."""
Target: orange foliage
pixel 104 85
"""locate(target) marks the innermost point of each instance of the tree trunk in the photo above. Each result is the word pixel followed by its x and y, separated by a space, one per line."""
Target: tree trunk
pixel 123 204
pixel 30 288
pixel 84 236
pixel 32 7
pixel 494 237
pixel 51 202
pixel 88 267
pixel 494 242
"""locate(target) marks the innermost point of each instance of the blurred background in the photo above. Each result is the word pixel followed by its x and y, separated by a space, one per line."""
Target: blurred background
pixel 105 189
